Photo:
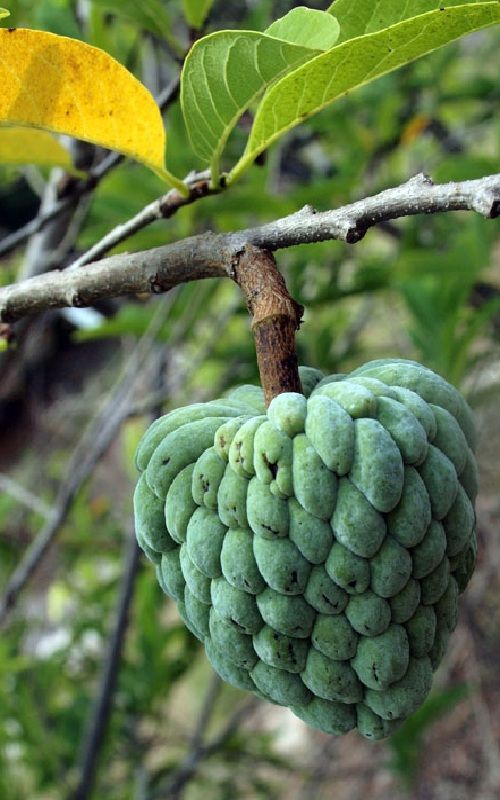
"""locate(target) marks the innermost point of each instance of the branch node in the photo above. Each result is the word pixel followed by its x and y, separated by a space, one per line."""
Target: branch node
pixel 420 179
pixel 355 231
pixel 487 203
pixel 76 300
pixel 155 285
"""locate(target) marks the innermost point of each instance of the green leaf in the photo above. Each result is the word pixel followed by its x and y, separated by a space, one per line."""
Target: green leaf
pixel 369 16
pixel 307 27
pixel 316 84
pixel 225 72
pixel 56 18
pixel 4 13
pixel 149 14
pixel 196 11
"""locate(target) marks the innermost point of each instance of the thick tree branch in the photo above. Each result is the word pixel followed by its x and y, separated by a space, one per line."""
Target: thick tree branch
pixel 216 255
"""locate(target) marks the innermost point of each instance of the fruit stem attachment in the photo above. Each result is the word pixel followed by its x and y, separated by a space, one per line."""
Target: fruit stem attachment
pixel 275 318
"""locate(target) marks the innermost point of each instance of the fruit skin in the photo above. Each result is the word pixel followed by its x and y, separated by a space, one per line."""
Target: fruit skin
pixel 318 550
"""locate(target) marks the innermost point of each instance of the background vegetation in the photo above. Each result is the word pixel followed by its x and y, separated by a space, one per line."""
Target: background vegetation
pixel 78 388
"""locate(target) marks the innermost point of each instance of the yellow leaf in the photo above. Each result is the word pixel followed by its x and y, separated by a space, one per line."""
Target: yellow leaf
pixel 67 86
pixel 31 146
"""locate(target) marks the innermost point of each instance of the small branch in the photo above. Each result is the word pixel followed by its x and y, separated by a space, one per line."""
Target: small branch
pixel 162 208
pixel 103 703
pixel 73 189
pixel 93 443
pixel 173 786
pixel 210 255
pixel 101 710
pixel 78 470
pixel 275 318
pixel 24 496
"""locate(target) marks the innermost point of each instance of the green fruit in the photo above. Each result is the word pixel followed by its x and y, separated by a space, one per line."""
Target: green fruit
pixel 272 459
pixel 314 485
pixel 409 520
pixel 162 426
pixel 278 650
pixel 428 554
pixel 348 570
pixel 318 550
pixel 179 504
pixel 231 639
pixel 355 399
pixel 377 468
pixel 328 716
pixel 355 523
pixel 421 631
pixel 267 514
pixel 331 680
pixel 238 561
pixel 290 615
pixel 242 447
pixel 330 430
pixel 205 535
pixel 404 603
pixel 323 594
pixel 207 475
pixel 313 536
pixel 236 606
pixel 232 499
pixel 390 568
pixel 334 637
pixel 281 565
pixel 288 413
pixel 381 661
pixel 225 434
pixel 368 614
pixel 179 449
pixel 150 528
pixel 404 428
pixel 280 686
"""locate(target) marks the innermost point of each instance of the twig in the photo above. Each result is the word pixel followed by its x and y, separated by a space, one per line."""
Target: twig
pixel 78 471
pixel 91 446
pixel 206 712
pixel 164 207
pixel 158 397
pixel 80 188
pixel 102 706
pixel 61 233
pixel 215 255
pixel 172 787
pixel 24 496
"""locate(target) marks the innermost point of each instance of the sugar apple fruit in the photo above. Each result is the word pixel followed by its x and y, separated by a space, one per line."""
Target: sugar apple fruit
pixel 318 549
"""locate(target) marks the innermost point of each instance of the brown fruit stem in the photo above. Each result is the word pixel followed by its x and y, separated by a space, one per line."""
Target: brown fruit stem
pixel 275 318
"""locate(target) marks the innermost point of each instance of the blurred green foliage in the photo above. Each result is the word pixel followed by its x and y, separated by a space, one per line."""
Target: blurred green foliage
pixel 405 291
pixel 406 744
